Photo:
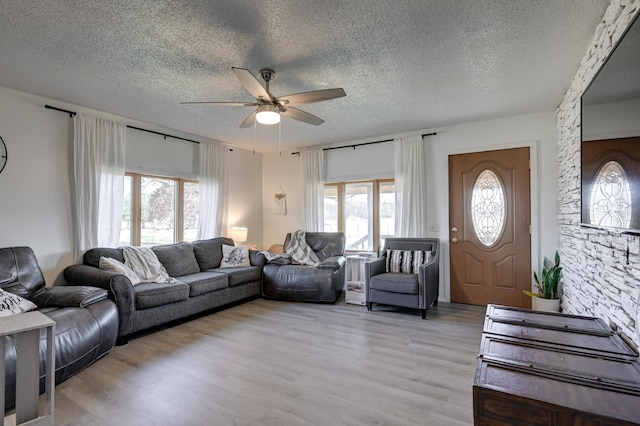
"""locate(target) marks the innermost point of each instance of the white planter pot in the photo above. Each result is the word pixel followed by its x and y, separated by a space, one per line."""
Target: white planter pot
pixel 549 305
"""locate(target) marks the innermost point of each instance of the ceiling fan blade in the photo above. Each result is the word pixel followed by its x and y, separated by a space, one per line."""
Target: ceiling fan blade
pixel 251 83
pixel 300 115
pixel 249 121
pixel 221 103
pixel 310 97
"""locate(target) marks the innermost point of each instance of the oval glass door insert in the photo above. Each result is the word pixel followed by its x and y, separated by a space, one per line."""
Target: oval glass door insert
pixel 611 197
pixel 488 207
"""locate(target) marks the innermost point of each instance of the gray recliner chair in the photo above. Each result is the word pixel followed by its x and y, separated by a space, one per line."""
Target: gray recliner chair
pixel 86 321
pixel 323 283
pixel 406 274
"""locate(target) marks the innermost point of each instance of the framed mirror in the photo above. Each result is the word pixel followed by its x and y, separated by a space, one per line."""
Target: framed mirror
pixel 610 151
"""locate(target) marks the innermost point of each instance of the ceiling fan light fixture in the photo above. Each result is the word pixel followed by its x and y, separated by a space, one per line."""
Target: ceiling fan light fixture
pixel 267 114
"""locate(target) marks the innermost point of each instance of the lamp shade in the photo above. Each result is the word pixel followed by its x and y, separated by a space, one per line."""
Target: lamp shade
pixel 239 234
pixel 267 114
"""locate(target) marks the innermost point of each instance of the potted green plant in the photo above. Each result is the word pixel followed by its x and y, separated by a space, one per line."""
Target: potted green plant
pixel 547 298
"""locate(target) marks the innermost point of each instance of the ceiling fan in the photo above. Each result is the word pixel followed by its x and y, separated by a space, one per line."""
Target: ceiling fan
pixel 270 107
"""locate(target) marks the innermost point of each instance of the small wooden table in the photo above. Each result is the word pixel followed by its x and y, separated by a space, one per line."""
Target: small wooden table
pixel 24 329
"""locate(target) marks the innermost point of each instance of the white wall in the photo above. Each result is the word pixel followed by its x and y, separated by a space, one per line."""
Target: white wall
pixel 245 193
pixel 376 161
pixel 281 173
pixel 35 206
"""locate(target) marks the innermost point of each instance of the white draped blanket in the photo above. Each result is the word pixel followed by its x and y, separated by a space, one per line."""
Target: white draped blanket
pixel 300 251
pixel 144 262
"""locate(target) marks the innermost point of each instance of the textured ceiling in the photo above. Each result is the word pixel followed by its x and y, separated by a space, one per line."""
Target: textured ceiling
pixel 405 65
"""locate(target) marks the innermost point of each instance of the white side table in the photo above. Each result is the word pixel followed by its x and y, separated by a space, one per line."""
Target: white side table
pixel 355 292
pixel 24 330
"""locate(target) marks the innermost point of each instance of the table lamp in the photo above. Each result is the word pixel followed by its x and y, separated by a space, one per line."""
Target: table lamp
pixel 239 234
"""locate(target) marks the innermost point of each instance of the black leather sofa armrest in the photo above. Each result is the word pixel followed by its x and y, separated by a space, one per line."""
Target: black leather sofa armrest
pixel 69 296
pixel 119 287
pixel 333 262
pixel 280 261
pixel 256 258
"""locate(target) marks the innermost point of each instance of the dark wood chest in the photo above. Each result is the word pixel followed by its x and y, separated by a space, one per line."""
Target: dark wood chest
pixel 540 368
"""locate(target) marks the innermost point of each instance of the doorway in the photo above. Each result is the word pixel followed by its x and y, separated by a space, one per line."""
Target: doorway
pixel 490 227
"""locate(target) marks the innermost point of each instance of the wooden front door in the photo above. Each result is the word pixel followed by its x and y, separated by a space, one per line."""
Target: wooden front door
pixel 489 227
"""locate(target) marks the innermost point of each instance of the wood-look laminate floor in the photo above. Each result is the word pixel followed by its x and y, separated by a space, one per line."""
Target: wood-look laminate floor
pixel 281 363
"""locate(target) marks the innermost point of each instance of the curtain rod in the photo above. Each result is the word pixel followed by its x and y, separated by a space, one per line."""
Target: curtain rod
pixel 362 144
pixel 72 113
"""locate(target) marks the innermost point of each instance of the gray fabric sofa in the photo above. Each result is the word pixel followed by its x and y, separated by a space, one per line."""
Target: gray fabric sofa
pixel 201 283
pixel 86 321
pixel 323 283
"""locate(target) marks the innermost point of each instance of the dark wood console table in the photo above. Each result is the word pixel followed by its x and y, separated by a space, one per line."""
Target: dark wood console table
pixel 541 368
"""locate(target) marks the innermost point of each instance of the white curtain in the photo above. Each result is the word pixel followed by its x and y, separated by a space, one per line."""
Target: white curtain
pixel 411 187
pixel 312 169
pixel 213 184
pixel 98 155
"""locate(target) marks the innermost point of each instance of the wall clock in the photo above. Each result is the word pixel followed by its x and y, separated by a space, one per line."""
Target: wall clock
pixel 3 154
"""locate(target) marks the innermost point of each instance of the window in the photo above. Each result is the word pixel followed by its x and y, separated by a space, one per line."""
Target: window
pixel 363 210
pixel 611 197
pixel 387 215
pixel 159 210
pixel 488 207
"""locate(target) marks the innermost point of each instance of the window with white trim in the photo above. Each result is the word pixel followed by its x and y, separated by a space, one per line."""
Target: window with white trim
pixel 363 210
pixel 159 210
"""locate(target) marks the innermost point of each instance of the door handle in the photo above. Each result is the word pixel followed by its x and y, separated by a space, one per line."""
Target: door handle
pixel 454 240
pixel 454 229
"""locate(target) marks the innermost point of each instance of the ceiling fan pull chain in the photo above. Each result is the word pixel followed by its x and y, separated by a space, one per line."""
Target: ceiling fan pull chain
pixel 280 138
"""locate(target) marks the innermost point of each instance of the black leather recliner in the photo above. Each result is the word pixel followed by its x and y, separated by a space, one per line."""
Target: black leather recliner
pixel 86 321
pixel 322 283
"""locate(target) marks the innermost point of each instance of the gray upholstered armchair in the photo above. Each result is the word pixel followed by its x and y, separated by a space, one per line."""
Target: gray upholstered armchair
pixel 406 274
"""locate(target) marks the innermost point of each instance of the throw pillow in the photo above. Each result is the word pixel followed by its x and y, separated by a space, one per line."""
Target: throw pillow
pixel 11 304
pixel 177 259
pixel 406 261
pixel 234 256
pixel 113 265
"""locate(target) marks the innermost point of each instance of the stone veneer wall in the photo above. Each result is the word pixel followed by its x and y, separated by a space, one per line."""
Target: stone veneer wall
pixel 596 280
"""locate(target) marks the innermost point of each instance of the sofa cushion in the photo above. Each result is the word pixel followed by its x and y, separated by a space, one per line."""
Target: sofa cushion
pixel 395 283
pixel 209 252
pixel 205 282
pixel 149 295
pixel 178 259
pixel 241 274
